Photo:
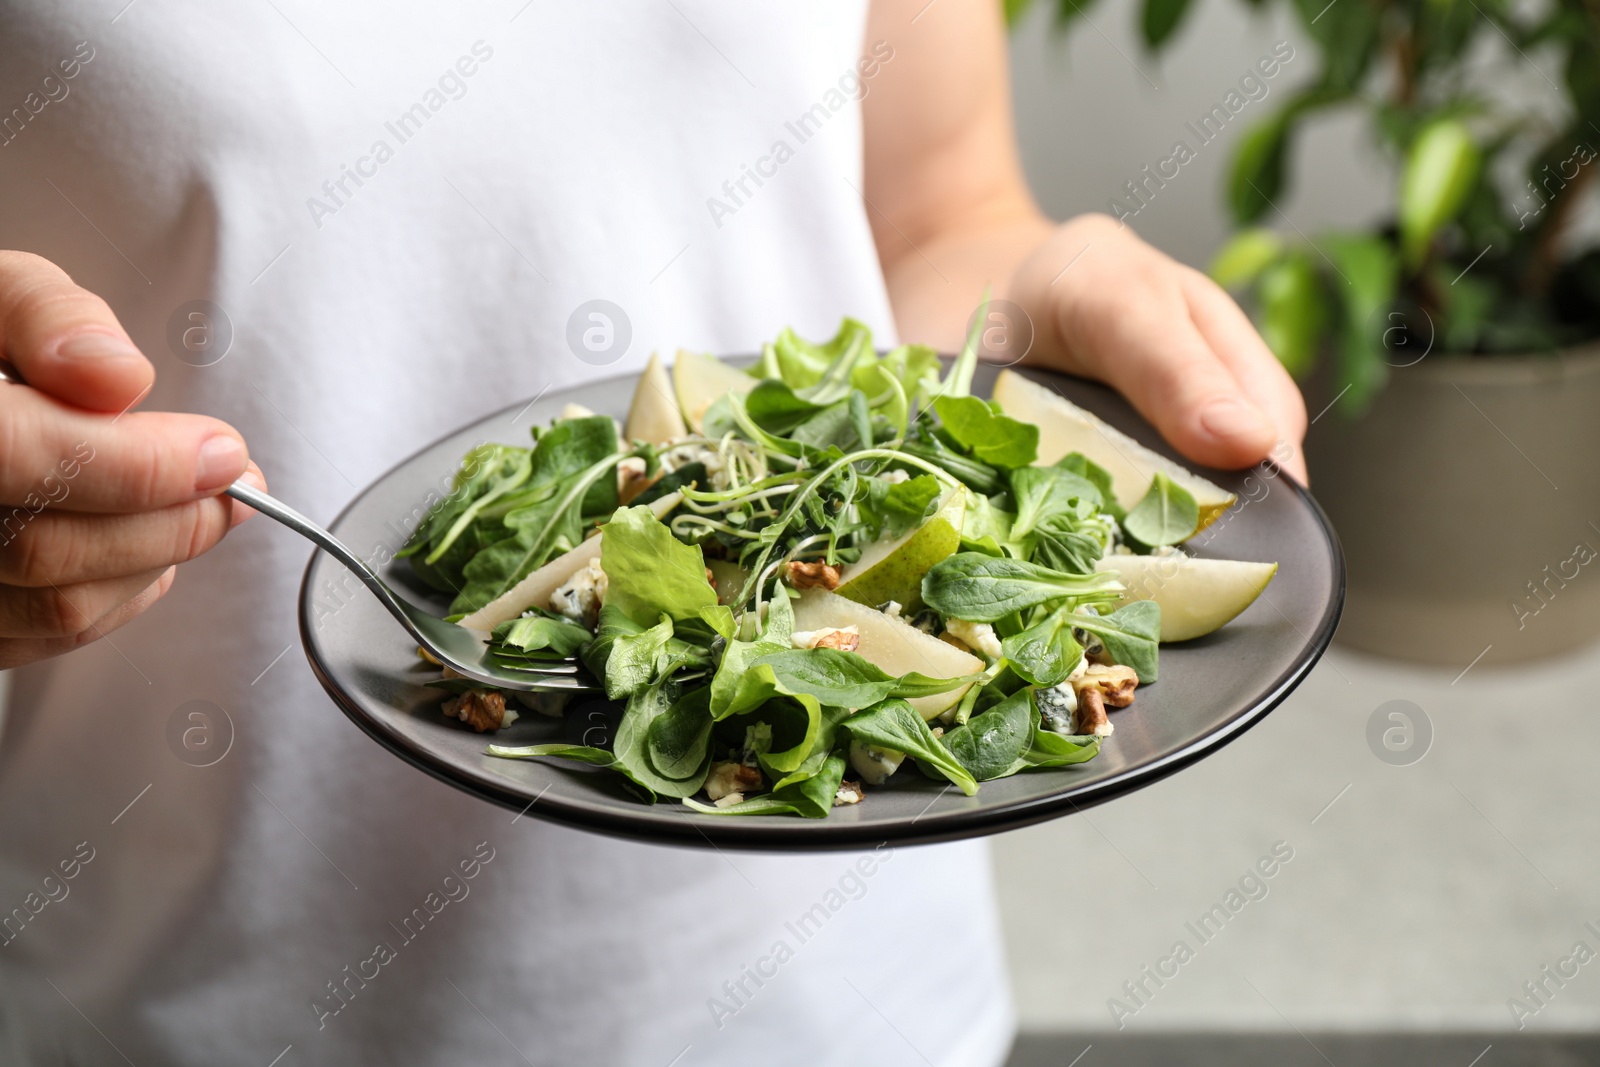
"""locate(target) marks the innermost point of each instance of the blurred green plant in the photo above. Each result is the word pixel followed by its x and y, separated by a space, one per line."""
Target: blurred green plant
pixel 1465 266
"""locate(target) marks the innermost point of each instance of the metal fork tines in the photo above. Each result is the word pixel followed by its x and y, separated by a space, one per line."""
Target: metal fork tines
pixel 464 651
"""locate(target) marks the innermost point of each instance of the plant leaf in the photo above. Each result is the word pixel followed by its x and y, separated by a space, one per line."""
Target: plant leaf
pixel 1165 515
pixel 893 725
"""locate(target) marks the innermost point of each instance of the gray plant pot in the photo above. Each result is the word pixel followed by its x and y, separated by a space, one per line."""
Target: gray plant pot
pixel 1468 504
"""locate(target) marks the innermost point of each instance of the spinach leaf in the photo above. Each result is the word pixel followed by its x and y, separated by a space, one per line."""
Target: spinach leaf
pixel 832 426
pixel 896 508
pixel 800 363
pixel 1047 749
pixel 631 746
pixel 1166 515
pixel 637 659
pixel 1046 652
pixel 996 439
pixel 678 741
pixel 982 588
pixel 991 745
pixel 686 475
pixel 1084 467
pixel 893 725
pixel 553 636
pixel 1043 494
pixel 775 407
pixel 650 573
pixel 1131 635
pixel 846 679
pixel 580 753
pixel 915 367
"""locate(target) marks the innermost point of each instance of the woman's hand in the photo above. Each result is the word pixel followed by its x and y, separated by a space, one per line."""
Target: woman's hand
pixel 97 503
pixel 1108 306
pixel 951 213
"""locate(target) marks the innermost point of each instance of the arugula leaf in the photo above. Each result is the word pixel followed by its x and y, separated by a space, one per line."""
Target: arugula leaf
pixel 994 438
pixel 983 588
pixel 1046 652
pixel 1131 635
pixel 554 636
pixel 650 573
pixel 540 532
pixel 1166 515
pixel 505 469
pixel 992 745
pixel 893 725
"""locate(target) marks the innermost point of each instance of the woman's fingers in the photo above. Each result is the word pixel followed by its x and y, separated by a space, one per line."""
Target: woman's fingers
pixel 65 340
pixel 68 610
pixel 57 456
pixel 1145 325
pixel 15 653
pixel 1230 334
pixel 63 548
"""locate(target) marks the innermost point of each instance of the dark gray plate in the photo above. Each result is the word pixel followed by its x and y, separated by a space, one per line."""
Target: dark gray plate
pixel 1210 691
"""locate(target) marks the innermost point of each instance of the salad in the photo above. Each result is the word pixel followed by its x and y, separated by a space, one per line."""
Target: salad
pixel 836 567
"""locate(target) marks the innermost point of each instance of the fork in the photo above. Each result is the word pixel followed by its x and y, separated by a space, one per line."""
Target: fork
pixel 456 647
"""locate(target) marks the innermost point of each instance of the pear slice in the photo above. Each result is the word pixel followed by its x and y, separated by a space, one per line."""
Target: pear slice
pixel 892 569
pixel 535 589
pixel 1065 427
pixel 702 380
pixel 1196 596
pixel 894 646
pixel 654 417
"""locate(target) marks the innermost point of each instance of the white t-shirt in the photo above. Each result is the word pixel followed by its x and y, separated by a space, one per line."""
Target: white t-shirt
pixel 397 207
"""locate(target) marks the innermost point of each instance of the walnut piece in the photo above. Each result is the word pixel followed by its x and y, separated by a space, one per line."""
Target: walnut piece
pixel 730 777
pixel 812 575
pixel 1115 682
pixel 1092 713
pixel 849 793
pixel 481 709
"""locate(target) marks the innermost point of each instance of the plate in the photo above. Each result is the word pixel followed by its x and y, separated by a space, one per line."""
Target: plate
pixel 1211 689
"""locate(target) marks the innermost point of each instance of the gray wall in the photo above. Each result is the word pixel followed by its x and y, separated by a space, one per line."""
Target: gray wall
pixel 1094 107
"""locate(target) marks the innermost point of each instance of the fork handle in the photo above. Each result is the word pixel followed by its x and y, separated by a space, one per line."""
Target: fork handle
pixel 273 507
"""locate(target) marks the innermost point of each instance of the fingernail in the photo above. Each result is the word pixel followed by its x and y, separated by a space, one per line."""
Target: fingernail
pixel 222 457
pixel 96 347
pixel 1233 419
